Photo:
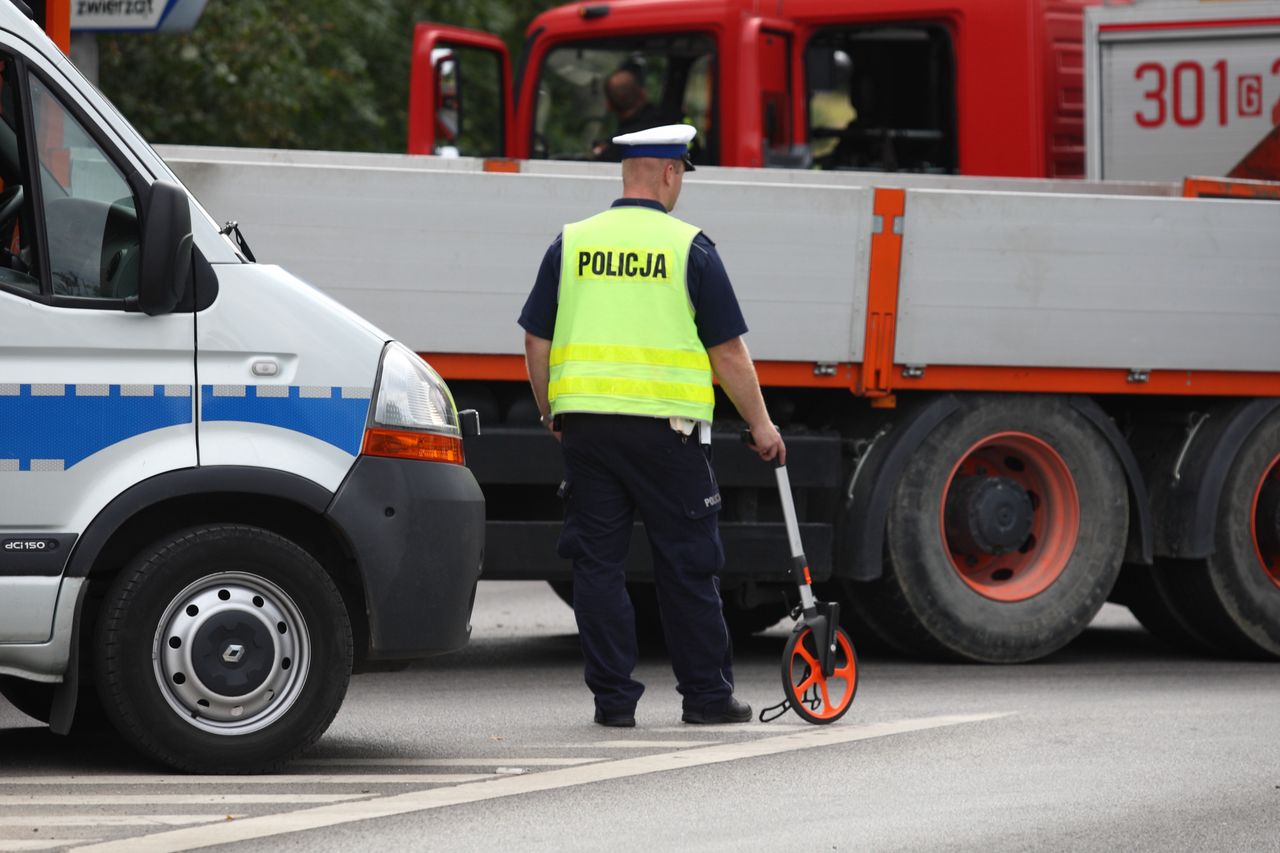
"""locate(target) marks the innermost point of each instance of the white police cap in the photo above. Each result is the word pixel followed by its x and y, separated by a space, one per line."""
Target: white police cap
pixel 669 142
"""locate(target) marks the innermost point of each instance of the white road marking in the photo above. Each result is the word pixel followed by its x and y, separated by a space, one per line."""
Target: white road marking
pixel 278 779
pixel 266 826
pixel 443 762
pixel 170 799
pixel 628 744
pixel 734 728
pixel 48 821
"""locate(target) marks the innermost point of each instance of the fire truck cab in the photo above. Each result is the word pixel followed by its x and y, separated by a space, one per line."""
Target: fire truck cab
pixel 936 86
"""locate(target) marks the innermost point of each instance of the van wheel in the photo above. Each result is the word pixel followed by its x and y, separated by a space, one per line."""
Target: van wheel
pixel 1005 533
pixel 225 649
pixel 1232 598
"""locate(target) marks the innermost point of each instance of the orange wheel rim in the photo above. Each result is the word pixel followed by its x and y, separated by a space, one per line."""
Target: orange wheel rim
pixel 1264 521
pixel 821 698
pixel 1048 510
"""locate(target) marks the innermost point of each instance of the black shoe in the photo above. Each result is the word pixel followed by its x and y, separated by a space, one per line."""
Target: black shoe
pixel 616 719
pixel 728 711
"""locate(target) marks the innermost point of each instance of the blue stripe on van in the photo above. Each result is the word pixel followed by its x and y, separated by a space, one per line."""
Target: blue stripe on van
pixel 68 427
pixel 335 419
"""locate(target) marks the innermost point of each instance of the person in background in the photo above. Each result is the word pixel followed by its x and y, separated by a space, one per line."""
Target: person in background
pixel 625 95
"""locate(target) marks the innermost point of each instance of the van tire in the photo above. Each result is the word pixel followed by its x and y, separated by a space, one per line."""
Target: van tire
pixel 223 649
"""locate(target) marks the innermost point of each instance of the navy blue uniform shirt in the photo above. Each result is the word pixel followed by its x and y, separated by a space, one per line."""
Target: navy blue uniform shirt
pixel 716 311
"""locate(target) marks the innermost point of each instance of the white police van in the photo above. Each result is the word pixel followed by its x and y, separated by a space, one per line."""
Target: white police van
pixel 219 488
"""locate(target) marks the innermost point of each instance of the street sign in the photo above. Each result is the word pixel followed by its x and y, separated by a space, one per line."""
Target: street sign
pixel 112 16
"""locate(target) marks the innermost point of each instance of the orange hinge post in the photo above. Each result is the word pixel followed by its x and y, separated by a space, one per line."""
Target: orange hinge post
pixel 882 292
pixel 57 23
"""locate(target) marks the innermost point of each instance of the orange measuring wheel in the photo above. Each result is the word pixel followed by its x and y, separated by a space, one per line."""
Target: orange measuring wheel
pixel 816 698
pixel 819 668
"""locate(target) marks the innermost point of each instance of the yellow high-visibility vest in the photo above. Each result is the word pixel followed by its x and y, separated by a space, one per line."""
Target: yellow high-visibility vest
pixel 625 341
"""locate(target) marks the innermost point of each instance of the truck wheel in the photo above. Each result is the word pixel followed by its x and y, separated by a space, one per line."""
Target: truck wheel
pixel 1005 533
pixel 1157 611
pixel 1233 596
pixel 225 649
pixel 859 618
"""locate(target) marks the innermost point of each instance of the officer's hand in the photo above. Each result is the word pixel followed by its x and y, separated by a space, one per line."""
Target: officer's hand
pixel 766 441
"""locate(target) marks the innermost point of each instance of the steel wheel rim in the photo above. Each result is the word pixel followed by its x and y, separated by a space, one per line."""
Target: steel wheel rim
pixel 1055 526
pixel 804 674
pixel 1265 547
pixel 197 620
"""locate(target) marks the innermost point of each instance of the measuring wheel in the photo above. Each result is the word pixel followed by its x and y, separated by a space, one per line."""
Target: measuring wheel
pixel 819 667
pixel 816 698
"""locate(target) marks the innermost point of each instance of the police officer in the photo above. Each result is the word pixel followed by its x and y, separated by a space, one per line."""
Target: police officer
pixel 631 314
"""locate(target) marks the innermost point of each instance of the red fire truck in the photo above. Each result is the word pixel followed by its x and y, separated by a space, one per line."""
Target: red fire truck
pixel 976 87
pixel 1063 356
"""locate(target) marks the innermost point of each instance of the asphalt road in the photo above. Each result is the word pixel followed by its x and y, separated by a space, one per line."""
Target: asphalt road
pixel 1115 743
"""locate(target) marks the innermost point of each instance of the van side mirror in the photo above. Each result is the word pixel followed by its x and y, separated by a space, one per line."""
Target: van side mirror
pixel 166 249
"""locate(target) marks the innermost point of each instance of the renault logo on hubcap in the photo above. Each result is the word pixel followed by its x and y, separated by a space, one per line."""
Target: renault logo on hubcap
pixel 234 652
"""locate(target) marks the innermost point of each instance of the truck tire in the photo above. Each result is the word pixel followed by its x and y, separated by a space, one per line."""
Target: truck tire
pixel 864 624
pixel 1233 597
pixel 1151 605
pixel 1005 533
pixel 224 649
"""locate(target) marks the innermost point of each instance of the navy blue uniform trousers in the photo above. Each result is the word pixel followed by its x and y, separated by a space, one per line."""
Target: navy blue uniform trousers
pixel 614 466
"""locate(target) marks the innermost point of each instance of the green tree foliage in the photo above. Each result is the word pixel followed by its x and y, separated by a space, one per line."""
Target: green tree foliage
pixel 325 74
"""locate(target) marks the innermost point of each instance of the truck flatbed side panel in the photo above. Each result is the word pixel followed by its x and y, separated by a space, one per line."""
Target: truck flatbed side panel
pixel 184 157
pixel 991 279
pixel 798 259
pixel 433 257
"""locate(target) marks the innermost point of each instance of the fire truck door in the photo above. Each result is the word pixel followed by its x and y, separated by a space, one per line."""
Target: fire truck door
pixel 459 93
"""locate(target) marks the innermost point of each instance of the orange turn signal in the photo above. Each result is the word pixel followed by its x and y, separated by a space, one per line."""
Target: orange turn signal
pixel 400 444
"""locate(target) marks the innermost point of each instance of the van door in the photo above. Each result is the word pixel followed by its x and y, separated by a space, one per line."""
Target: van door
pixel 459 93
pixel 94 395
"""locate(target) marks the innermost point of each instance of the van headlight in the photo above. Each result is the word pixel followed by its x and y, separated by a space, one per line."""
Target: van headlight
pixel 414 416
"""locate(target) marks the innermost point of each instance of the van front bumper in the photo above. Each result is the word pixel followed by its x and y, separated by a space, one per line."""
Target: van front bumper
pixel 417 531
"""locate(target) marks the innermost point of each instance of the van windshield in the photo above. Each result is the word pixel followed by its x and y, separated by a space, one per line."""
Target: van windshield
pixel 589 92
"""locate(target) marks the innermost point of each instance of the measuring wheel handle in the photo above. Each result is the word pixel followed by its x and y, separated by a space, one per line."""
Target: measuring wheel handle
pixel 819 667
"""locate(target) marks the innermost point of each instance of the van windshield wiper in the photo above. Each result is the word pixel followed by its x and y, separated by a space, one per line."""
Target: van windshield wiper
pixel 232 230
